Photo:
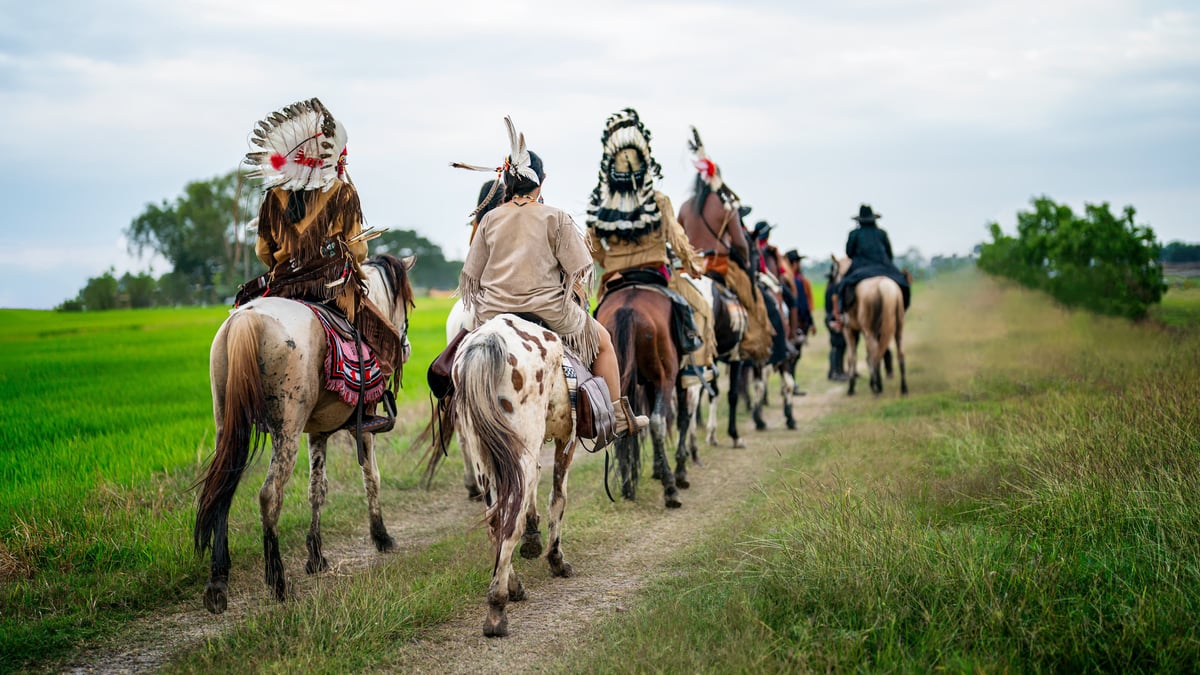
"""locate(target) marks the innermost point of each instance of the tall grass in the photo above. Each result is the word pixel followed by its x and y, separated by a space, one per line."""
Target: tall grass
pixel 107 420
pixel 1031 507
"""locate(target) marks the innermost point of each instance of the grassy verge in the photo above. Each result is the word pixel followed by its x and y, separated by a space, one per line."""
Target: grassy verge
pixel 1030 507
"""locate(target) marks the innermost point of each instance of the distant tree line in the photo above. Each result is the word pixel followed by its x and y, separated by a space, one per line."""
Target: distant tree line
pixel 1179 252
pixel 1096 260
pixel 202 234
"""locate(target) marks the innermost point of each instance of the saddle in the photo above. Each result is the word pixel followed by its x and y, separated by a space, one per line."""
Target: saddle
pixel 595 418
pixel 684 332
pixel 352 371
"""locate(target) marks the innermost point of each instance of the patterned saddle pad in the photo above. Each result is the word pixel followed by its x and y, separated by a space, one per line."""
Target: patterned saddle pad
pixel 345 366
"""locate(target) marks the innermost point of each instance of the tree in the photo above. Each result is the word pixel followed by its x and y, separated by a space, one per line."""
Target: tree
pixel 100 292
pixel 200 232
pixel 1179 252
pixel 432 270
pixel 1100 261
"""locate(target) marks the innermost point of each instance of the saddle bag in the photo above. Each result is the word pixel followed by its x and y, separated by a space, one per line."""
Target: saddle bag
pixel 595 418
pixel 438 375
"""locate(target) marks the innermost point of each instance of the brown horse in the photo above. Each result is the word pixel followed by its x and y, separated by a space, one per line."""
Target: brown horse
pixel 878 314
pixel 639 320
pixel 267 376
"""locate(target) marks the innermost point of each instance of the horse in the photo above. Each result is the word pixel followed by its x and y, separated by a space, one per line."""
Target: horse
pixel 729 325
pixel 266 370
pixel 511 395
pixel 759 372
pixel 878 314
pixel 639 321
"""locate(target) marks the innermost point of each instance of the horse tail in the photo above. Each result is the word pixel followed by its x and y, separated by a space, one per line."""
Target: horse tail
pixel 623 343
pixel 238 441
pixel 876 312
pixel 497 443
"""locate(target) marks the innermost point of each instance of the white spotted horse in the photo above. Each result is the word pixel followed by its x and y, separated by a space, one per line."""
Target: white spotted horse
pixel 267 376
pixel 510 396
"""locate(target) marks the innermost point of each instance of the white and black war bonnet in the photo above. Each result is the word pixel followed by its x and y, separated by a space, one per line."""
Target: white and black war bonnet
pixel 622 205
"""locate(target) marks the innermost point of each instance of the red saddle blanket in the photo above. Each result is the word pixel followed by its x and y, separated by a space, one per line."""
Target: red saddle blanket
pixel 345 367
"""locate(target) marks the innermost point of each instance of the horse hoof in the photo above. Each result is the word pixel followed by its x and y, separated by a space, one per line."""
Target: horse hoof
pixel 496 627
pixel 673 502
pixel 215 598
pixel 314 566
pixel 681 482
pixel 739 443
pixel 385 544
pixel 531 546
pixel 791 424
pixel 562 569
pixel 517 594
pixel 760 426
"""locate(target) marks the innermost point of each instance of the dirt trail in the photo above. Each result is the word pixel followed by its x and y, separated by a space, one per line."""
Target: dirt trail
pixel 556 611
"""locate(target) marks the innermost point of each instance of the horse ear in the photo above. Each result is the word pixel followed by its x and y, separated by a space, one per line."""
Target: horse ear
pixel 833 257
pixel 409 261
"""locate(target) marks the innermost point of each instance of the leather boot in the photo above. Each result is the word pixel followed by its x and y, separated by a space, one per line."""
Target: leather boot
pixel 626 421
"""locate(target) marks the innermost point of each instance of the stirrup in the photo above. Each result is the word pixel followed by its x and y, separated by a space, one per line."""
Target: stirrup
pixel 627 422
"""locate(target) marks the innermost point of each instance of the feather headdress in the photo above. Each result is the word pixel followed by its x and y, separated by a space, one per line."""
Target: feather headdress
pixel 516 165
pixel 622 204
pixel 301 148
pixel 708 172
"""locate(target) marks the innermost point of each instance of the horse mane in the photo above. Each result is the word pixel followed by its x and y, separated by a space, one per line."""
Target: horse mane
pixel 396 273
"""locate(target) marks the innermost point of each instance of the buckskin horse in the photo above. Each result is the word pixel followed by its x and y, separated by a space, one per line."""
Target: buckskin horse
pixel 267 375
pixel 510 396
pixel 639 320
pixel 877 314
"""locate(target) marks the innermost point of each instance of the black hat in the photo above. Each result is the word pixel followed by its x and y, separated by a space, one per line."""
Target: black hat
pixel 866 215
pixel 762 229
pixel 794 256
pixel 743 210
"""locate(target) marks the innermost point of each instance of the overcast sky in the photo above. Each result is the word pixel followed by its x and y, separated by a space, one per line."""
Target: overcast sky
pixel 944 115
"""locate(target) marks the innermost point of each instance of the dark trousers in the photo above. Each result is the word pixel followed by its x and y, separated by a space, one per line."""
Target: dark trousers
pixel 837 351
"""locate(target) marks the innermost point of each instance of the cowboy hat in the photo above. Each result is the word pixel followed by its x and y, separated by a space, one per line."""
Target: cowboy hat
pixel 794 256
pixel 762 229
pixel 866 215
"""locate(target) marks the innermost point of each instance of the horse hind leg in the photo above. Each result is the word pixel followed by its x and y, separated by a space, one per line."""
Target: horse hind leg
pixel 757 386
pixel 318 486
pixel 658 437
pixel 370 471
pixel 270 500
pixel 787 393
pixel 563 454
pixel 531 539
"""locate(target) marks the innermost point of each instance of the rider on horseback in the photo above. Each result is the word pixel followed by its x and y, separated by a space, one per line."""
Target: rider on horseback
pixel 310 233
pixel 634 236
pixel 870 253
pixel 712 219
pixel 530 258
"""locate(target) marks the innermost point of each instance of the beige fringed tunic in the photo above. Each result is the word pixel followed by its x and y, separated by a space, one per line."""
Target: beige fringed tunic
pixel 530 258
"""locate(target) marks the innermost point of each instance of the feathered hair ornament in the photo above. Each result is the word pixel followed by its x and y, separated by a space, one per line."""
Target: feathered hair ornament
pixel 622 204
pixel 707 172
pixel 515 166
pixel 302 147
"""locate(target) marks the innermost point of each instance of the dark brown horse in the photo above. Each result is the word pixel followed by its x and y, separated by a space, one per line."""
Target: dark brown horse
pixel 639 320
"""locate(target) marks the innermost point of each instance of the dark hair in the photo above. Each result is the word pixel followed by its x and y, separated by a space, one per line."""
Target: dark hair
pixel 701 190
pixel 519 185
pixel 496 200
